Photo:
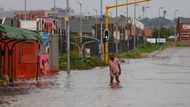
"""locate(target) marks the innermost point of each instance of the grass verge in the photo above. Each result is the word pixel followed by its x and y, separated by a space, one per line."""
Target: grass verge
pixel 78 63
pixel 141 51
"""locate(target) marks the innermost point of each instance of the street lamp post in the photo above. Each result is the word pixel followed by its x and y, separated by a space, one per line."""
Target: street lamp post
pixel 143 10
pixel 117 30
pixel 80 51
pixel 54 2
pixel 68 38
pixel 159 31
pixel 96 11
pixel 25 8
pixel 101 30
pixel 175 19
pixel 127 10
pixel 127 19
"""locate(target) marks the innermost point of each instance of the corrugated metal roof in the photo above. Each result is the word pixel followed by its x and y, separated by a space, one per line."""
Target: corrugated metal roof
pixel 9 14
pixel 8 32
pixel 184 20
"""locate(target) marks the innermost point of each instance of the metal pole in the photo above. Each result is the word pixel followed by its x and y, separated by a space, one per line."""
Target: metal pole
pixel 159 31
pixel 175 17
pixel 54 4
pixel 127 15
pixel 68 38
pixel 80 22
pixel 68 4
pixel 101 7
pixel 143 10
pixel 127 10
pixel 96 11
pixel 135 5
pixel 25 8
pixel 117 41
pixel 80 50
pixel 106 44
pixel 96 23
pixel 101 29
pixel 68 48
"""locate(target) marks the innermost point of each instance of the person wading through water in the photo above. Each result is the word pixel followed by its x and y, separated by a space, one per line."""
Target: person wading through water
pixel 115 69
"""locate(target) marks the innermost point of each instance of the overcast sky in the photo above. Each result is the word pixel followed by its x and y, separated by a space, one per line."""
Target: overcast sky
pixel 89 5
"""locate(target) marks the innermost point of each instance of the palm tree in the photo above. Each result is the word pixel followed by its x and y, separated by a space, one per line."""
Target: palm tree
pixel 165 12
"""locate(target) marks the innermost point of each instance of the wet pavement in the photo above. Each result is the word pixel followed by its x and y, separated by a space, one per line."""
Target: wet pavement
pixel 161 81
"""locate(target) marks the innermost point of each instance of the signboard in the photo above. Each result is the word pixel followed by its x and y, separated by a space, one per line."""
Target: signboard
pixel 151 40
pixel 154 40
pixel 161 40
pixel 28 24
pixel 184 28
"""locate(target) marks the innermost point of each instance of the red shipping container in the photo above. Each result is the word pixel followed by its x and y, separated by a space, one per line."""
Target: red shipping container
pixel 19 59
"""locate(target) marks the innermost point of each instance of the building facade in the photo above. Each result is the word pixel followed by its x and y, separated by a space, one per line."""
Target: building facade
pixel 183 29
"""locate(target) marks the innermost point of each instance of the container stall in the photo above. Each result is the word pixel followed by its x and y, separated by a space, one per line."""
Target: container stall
pixel 18 53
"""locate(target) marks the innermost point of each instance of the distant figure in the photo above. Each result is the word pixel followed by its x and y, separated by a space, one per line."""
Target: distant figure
pixel 44 64
pixel 115 70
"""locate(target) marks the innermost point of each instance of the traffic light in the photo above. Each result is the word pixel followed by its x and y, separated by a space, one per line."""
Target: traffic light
pixel 105 36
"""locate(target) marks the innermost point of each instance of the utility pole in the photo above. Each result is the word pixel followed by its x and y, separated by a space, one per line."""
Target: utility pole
pixel 117 30
pixel 68 37
pixel 54 4
pixel 175 13
pixel 143 10
pixel 25 9
pixel 175 19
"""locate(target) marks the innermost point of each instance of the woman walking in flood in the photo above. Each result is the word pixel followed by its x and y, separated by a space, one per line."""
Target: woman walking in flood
pixel 115 70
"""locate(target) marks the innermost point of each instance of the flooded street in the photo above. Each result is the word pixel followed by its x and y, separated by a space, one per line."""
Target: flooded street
pixel 161 81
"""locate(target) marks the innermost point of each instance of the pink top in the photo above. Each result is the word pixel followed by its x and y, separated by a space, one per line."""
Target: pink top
pixel 114 68
pixel 44 57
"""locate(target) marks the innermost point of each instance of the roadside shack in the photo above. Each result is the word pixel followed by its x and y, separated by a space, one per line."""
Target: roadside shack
pixel 19 51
